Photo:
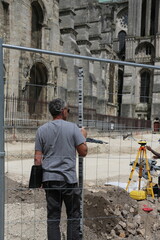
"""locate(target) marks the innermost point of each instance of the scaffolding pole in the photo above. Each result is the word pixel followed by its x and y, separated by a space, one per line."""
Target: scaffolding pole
pixel 2 176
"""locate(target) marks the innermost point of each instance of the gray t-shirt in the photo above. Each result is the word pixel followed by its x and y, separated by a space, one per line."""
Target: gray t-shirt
pixel 57 141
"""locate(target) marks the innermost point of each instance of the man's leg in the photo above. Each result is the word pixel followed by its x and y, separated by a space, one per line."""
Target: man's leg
pixel 72 202
pixel 54 203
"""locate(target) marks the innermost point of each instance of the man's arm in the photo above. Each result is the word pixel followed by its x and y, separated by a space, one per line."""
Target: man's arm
pixel 38 156
pixel 84 132
pixel 82 149
pixel 154 152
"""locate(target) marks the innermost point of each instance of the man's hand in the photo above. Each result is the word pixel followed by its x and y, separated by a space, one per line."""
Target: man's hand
pixel 156 154
pixel 155 157
pixel 149 148
pixel 38 157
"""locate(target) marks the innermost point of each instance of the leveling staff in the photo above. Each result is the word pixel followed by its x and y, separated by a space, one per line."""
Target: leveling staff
pixel 156 154
pixel 55 148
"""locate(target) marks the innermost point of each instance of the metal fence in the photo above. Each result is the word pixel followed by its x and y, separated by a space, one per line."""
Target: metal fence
pixel 16 119
pixel 13 119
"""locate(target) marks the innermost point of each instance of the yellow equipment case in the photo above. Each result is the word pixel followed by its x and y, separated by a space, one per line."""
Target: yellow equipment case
pixel 138 194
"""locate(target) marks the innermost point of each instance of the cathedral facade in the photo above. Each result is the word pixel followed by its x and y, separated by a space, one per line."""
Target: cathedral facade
pixel 32 79
pixel 118 30
pixel 136 39
pixel 141 86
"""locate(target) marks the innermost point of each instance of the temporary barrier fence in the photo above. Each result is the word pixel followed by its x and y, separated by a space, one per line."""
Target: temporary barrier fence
pixel 11 119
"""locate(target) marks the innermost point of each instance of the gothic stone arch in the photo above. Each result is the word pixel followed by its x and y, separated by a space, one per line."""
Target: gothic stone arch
pixel 145 52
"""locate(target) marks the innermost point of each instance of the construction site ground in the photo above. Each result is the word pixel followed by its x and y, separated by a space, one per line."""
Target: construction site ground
pixel 109 211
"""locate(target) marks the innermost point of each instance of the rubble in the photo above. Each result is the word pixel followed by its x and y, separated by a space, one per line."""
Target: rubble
pixel 112 211
pixel 109 213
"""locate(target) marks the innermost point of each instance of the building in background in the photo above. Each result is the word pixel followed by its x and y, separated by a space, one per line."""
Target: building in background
pixel 136 39
pixel 141 87
pixel 30 79
pixel 124 30
pixel 84 32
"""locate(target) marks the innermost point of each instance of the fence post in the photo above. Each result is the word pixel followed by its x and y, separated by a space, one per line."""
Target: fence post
pixel 2 175
pixel 80 120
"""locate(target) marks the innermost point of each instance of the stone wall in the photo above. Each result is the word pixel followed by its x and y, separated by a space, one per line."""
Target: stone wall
pixel 83 28
pixel 19 65
pixel 60 27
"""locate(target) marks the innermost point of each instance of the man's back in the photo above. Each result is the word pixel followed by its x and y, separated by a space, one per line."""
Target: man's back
pixel 58 140
pixel 55 148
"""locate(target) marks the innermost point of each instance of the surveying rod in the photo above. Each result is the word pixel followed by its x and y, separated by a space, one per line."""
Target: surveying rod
pixel 80 123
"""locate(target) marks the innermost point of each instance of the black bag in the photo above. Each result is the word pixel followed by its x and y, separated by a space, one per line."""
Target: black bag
pixel 36 174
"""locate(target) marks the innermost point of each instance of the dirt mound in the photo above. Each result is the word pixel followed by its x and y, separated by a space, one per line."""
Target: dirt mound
pixel 105 209
pixel 17 193
pixel 109 213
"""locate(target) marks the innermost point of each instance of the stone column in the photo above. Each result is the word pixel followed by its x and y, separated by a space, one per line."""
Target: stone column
pixel 155 112
pixel 134 17
pixel 128 98
pixel 156 94
pixel 156 73
pixel 158 10
pixel 69 46
pixel 84 46
pixel 148 17
pixel 131 18
pixel 138 17
pixel 82 27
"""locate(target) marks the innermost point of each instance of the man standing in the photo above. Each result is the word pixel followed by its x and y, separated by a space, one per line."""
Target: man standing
pixel 55 148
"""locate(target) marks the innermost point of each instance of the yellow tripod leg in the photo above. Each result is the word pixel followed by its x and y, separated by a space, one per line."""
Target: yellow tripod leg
pixel 132 171
pixel 149 176
pixel 140 166
pixel 140 177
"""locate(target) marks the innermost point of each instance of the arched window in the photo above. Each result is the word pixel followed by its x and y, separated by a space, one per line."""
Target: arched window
pixel 145 50
pixel 144 87
pixel 122 46
pixel 148 49
pixel 6 16
pixel 38 80
pixel 122 17
pixel 37 20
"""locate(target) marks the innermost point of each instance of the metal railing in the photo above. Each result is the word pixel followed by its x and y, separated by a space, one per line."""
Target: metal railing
pixel 92 119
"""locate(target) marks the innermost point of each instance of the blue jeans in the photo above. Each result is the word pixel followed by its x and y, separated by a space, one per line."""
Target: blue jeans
pixel 56 193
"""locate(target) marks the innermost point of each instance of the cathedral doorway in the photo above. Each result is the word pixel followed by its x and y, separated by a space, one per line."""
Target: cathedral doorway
pixel 37 90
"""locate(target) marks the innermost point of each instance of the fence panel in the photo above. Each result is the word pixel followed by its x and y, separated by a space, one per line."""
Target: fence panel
pixel 113 147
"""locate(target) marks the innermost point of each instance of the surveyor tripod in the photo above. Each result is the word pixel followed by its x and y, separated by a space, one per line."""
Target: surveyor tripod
pixel 143 161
